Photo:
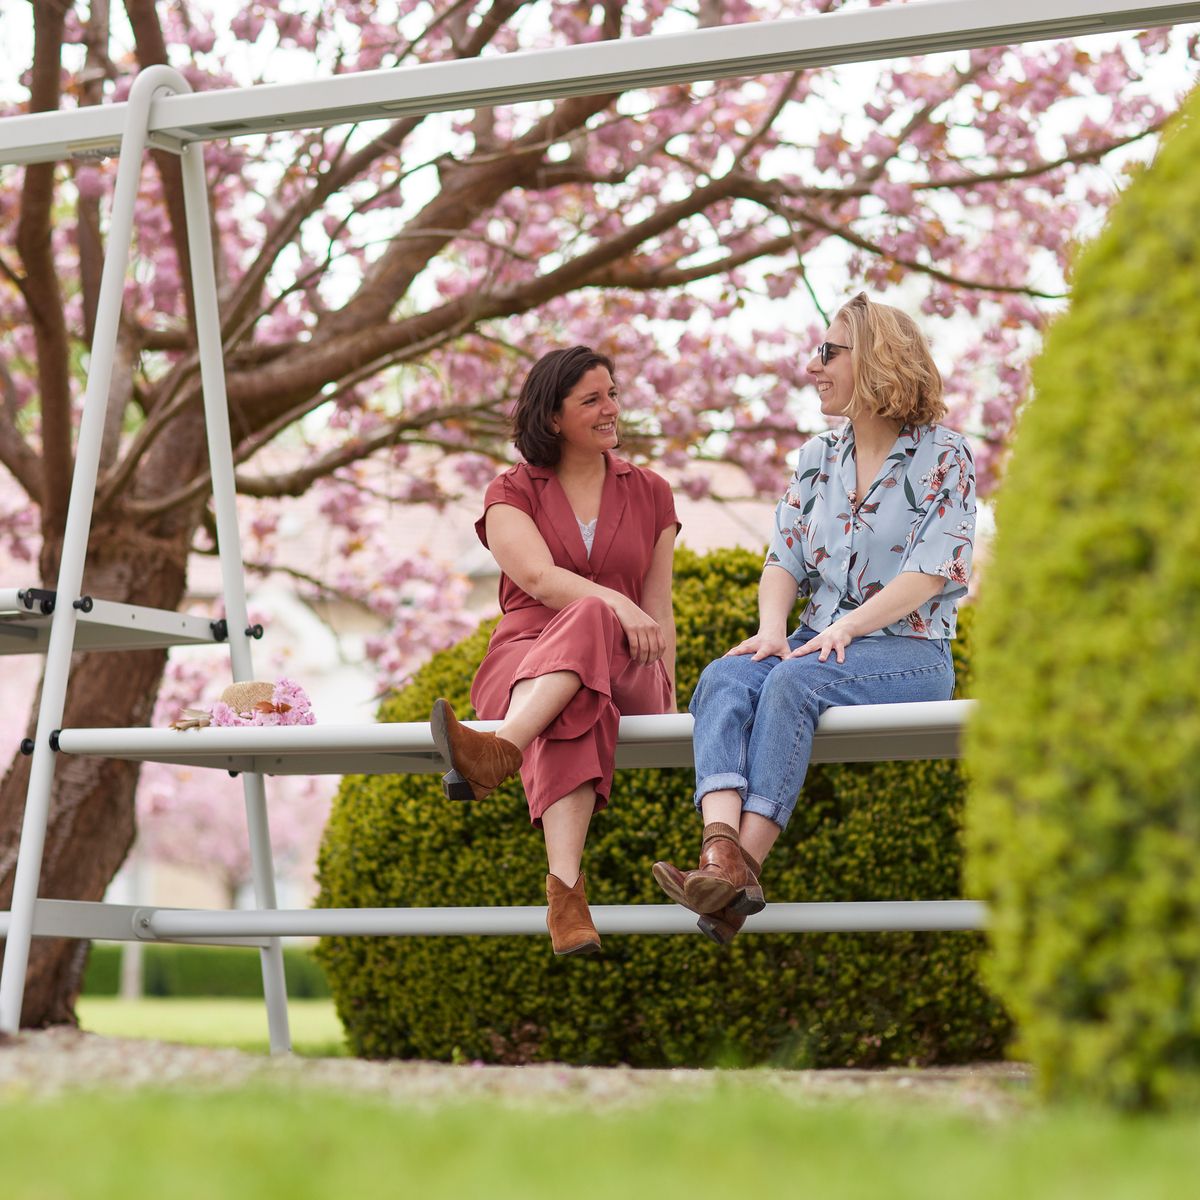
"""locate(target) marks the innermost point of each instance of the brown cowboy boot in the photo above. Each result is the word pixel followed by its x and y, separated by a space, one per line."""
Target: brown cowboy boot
pixel 479 762
pixel 673 881
pixel 569 919
pixel 722 927
pixel 722 880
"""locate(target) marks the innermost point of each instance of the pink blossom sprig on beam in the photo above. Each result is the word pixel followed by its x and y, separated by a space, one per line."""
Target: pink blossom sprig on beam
pixel 252 703
pixel 289 705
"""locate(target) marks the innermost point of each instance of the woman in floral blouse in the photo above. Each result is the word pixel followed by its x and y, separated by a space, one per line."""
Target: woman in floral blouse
pixel 875 530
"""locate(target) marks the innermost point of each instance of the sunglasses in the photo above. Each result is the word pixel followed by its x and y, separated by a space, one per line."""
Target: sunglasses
pixel 828 350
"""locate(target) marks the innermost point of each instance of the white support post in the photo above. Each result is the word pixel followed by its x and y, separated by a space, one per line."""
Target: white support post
pixel 220 453
pixel 75 539
pixel 151 81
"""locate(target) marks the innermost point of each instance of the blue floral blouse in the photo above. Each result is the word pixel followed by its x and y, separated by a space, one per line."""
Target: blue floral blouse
pixel 918 515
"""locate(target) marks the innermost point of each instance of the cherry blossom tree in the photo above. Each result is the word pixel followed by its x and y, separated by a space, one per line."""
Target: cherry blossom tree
pixel 383 287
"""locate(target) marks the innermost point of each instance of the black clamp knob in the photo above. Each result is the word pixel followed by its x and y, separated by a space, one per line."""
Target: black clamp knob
pixel 54 739
pixel 254 631
pixel 43 598
pixel 27 746
pixel 84 604
pixel 220 629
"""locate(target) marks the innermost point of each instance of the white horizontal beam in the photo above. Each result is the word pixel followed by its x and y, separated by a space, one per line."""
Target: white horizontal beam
pixel 104 626
pixel 817 40
pixel 94 919
pixel 848 917
pixel 859 733
pixel 123 922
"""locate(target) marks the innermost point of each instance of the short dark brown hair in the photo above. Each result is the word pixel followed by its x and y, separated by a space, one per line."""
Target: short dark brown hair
pixel 547 385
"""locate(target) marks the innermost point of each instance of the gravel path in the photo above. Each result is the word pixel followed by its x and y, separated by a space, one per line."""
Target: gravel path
pixel 49 1062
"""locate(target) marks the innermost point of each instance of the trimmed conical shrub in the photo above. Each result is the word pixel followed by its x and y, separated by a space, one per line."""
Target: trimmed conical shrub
pixel 874 832
pixel 1084 818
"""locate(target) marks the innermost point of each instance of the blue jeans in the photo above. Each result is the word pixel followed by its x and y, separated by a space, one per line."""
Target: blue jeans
pixel 755 720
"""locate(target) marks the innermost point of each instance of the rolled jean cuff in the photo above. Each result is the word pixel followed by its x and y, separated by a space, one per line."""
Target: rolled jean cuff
pixel 719 783
pixel 769 809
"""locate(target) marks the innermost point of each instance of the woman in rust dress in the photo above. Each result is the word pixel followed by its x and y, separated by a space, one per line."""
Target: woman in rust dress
pixel 585 543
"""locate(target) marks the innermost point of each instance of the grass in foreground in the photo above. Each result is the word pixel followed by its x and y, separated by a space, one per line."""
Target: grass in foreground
pixel 212 1021
pixel 734 1141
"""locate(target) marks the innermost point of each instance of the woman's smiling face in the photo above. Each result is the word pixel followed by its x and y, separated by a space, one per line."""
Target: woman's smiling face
pixel 587 420
pixel 835 379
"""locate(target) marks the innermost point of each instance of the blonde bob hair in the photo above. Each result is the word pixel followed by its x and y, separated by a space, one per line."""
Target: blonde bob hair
pixel 894 372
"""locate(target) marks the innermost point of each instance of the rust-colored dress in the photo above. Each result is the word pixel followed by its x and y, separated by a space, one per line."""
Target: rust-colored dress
pixel 585 637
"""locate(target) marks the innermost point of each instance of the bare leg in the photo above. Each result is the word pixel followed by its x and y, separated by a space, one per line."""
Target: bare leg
pixel 758 834
pixel 535 703
pixel 565 824
pixel 724 806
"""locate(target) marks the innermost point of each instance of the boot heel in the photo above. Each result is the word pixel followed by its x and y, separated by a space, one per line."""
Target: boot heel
pixel 479 762
pixel 749 902
pixel 456 787
pixel 720 927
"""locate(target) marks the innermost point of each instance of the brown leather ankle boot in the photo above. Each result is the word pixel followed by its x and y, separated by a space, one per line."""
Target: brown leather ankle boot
pixel 673 881
pixel 479 762
pixel 723 926
pixel 569 919
pixel 722 880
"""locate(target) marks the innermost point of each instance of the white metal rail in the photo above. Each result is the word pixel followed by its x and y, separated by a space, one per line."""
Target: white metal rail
pixel 250 927
pixel 26 614
pixel 864 733
pixel 817 40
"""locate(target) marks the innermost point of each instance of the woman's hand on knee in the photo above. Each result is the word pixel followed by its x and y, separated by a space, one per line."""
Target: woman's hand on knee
pixel 762 645
pixel 647 643
pixel 833 640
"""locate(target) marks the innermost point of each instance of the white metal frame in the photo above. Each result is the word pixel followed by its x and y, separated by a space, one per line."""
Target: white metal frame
pixel 750 49
pixel 161 111
pixel 863 733
pixel 64 618
pixel 102 625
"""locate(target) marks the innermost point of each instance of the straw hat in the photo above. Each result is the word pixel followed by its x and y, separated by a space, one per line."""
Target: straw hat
pixel 243 698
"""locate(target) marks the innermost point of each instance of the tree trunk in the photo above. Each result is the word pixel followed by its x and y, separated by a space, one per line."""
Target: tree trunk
pixel 92 815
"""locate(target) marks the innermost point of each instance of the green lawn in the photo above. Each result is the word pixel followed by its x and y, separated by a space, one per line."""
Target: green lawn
pixel 212 1021
pixel 739 1141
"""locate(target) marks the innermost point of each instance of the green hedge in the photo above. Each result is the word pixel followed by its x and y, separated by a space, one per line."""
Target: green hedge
pixel 1085 818
pixel 202 971
pixel 880 832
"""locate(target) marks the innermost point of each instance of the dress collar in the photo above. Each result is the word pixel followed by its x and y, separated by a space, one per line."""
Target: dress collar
pixel 566 525
pixel 612 466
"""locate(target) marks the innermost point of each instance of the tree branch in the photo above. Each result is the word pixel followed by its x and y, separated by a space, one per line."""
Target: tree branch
pixel 295 483
pixel 87 230
pixel 42 295
pixel 469 188
pixel 846 234
pixel 151 49
pixel 16 454
pixel 335 178
pixel 1045 167
pixel 654 278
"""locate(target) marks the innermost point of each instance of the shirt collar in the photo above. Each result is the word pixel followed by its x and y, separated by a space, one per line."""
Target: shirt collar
pixel 908 432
